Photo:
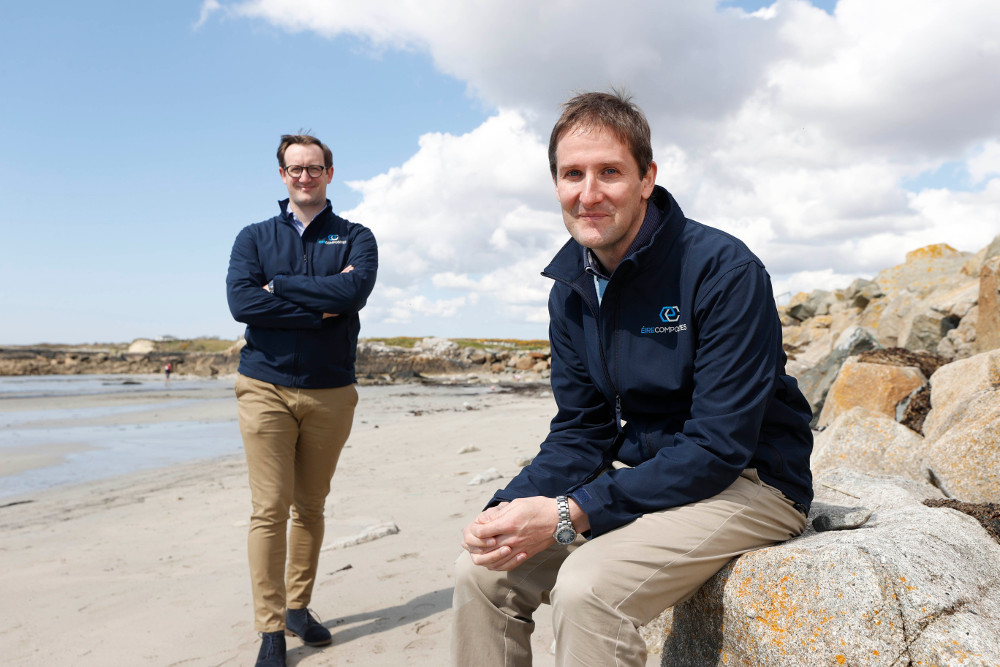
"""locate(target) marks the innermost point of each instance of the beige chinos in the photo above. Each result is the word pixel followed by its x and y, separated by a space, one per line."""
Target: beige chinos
pixel 604 589
pixel 292 439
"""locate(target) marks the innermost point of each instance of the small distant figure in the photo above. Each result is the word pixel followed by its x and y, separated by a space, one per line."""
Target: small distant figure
pixel 167 370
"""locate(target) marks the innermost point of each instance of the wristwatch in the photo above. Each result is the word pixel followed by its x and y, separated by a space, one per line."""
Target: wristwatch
pixel 565 533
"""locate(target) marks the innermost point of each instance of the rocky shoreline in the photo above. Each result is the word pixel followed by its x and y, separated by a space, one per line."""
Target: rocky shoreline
pixel 377 363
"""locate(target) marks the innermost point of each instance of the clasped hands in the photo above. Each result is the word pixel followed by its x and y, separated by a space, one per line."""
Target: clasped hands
pixel 504 536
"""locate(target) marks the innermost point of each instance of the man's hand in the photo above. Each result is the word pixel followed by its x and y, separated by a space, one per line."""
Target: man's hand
pixel 347 269
pixel 503 537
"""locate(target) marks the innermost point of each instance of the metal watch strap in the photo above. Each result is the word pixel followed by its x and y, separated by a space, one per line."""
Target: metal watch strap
pixel 565 532
pixel 562 502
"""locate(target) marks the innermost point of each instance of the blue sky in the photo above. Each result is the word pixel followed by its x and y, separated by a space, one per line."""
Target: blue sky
pixel 139 138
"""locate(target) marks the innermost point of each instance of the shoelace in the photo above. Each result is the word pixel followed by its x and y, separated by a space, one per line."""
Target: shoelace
pixel 310 620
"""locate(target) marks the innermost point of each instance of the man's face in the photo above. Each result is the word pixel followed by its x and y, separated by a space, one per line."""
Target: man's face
pixel 306 191
pixel 602 194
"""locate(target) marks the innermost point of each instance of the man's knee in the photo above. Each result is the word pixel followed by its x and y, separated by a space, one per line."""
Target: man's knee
pixel 469 579
pixel 309 511
pixel 582 582
pixel 476 582
pixel 270 508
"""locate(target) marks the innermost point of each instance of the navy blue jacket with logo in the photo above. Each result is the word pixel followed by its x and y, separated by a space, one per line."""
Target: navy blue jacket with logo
pixel 289 343
pixel 679 373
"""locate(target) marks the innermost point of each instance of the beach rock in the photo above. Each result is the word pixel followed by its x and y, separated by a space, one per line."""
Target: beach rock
pixel 862 292
pixel 815 382
pixel 868 442
pixel 524 363
pixel 474 355
pixel 896 313
pixel 914 585
pixel 375 358
pixel 487 476
pixel 925 270
pixel 955 385
pixel 441 347
pixel 959 343
pixel 988 321
pixel 141 346
pixel 964 462
pixel 913 408
pixel 840 518
pixel 905 317
pixel 876 387
pixel 987 514
pixel 924 331
pixel 805 306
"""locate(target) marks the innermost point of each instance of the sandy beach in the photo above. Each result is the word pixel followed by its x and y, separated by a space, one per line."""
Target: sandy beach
pixel 150 568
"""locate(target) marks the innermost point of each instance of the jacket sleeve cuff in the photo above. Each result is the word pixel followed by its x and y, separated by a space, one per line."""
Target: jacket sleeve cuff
pixel 590 507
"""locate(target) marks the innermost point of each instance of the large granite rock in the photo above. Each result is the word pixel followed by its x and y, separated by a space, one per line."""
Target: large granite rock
pixel 804 306
pixel 960 453
pixel 960 342
pixel 868 442
pixel 876 387
pixel 913 586
pixel 954 387
pixel 988 320
pixel 815 382
pixel 861 292
pixel 925 270
pixel 964 461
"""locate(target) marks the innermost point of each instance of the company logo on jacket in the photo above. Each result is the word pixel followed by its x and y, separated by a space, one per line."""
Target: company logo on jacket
pixel 668 314
pixel 332 239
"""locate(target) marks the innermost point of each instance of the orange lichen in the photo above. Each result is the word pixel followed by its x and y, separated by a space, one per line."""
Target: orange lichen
pixel 841 659
pixel 934 251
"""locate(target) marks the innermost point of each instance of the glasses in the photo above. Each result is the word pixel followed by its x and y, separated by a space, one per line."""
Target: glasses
pixel 314 170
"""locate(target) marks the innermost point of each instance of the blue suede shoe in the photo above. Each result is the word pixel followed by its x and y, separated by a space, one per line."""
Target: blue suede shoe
pixel 272 649
pixel 302 624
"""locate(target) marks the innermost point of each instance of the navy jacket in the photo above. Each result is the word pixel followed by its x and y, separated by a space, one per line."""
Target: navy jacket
pixel 289 343
pixel 679 373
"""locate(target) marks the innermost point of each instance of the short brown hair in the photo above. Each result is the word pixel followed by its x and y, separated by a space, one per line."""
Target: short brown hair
pixel 305 139
pixel 614 112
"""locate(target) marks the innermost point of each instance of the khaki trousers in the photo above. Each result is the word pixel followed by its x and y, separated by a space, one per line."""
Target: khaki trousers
pixel 292 439
pixel 603 590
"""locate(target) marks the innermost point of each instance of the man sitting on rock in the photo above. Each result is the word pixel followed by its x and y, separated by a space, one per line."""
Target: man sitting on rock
pixel 679 440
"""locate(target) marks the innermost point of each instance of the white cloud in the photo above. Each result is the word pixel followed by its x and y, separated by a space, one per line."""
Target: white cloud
pixel 208 8
pixel 986 162
pixel 474 214
pixel 794 129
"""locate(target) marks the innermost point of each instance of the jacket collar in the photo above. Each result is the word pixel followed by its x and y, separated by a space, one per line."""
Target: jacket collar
pixel 286 214
pixel 664 220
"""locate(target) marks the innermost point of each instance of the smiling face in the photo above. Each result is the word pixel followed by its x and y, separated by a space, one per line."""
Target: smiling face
pixel 307 195
pixel 602 194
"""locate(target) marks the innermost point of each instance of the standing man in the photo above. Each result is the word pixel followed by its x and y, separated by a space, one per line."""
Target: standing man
pixel 298 281
pixel 679 440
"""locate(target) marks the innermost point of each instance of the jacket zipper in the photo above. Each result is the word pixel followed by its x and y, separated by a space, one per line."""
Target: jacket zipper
pixel 600 347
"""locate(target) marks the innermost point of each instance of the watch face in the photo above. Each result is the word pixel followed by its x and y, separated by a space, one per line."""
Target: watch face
pixel 565 535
